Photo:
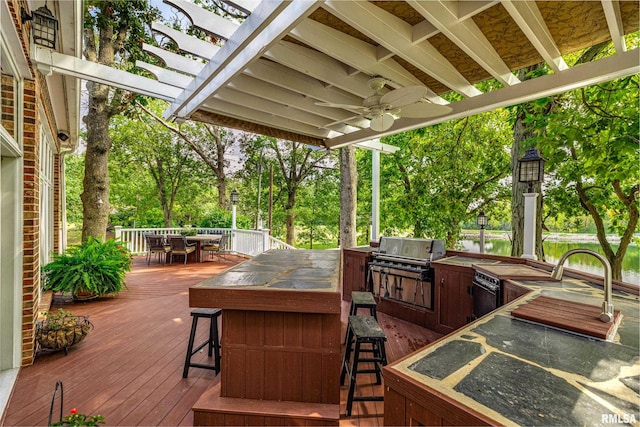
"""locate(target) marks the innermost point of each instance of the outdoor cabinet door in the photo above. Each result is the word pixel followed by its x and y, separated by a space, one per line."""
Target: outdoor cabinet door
pixel 455 305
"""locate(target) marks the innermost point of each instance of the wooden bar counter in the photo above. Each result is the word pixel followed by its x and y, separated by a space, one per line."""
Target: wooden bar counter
pixel 280 340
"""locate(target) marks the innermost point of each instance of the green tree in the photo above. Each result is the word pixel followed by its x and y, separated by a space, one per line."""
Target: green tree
pixel 318 208
pixel 591 144
pixel 112 34
pixel 172 166
pixel 73 172
pixel 443 175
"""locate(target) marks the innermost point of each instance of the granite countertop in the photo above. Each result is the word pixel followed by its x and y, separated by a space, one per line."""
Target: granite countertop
pixel 519 372
pixel 315 270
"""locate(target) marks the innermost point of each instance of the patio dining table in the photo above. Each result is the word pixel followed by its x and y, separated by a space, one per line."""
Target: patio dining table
pixel 200 239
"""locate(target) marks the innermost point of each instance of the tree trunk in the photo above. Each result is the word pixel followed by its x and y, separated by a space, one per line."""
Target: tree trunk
pixel 520 134
pixel 95 195
pixel 348 197
pixel 290 218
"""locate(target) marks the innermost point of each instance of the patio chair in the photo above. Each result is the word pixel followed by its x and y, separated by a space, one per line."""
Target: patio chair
pixel 156 244
pixel 180 246
pixel 217 247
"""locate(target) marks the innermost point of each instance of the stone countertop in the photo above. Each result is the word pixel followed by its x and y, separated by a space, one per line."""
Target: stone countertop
pixel 464 261
pixel 519 372
pixel 315 270
pixel 297 281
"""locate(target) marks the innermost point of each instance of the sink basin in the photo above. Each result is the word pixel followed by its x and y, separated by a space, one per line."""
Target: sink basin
pixel 569 316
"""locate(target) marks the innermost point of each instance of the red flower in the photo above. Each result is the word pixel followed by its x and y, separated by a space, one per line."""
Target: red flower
pixel 74 411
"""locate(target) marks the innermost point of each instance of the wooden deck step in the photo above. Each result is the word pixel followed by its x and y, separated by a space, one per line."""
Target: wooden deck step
pixel 568 315
pixel 213 409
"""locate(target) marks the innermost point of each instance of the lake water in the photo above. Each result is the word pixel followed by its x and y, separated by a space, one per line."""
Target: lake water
pixel 554 250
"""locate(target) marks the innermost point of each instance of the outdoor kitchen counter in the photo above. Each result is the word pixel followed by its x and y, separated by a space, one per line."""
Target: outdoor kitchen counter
pixel 280 340
pixel 276 280
pixel 503 370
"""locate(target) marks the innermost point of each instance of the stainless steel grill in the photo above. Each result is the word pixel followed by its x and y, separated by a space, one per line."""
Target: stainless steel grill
pixel 401 269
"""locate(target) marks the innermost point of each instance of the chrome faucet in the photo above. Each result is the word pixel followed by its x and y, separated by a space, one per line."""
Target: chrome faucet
pixel 607 306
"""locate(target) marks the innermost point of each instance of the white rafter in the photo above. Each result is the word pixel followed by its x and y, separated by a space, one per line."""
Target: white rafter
pixel 241 112
pixel 468 37
pixel 205 20
pixel 613 67
pixel 614 21
pixel 529 19
pixel 163 75
pixel 264 27
pixel 319 66
pixel 352 51
pixel 187 43
pixel 397 36
pixel 175 61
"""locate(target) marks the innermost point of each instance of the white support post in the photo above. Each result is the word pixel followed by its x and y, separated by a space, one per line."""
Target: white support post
pixel 375 195
pixel 233 227
pixel 530 208
pixel 265 240
pixel 482 240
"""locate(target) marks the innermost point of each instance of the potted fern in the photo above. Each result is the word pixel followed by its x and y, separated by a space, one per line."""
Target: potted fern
pixel 94 268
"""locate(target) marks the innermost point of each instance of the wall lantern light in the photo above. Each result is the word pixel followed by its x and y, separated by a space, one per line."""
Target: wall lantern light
pixel 44 28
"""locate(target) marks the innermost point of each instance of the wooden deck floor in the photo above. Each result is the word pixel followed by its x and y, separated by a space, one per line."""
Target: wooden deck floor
pixel 129 369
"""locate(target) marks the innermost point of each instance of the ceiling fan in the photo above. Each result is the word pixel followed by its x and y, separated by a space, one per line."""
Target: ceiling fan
pixel 403 102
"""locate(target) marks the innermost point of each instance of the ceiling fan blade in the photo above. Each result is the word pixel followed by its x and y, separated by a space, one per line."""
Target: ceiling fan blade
pixel 424 109
pixel 345 106
pixel 382 122
pixel 404 96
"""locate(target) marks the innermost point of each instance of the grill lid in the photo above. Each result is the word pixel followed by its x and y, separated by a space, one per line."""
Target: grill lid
pixel 410 249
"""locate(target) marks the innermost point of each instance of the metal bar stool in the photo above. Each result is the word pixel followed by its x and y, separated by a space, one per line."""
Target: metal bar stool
pixel 363 330
pixel 213 341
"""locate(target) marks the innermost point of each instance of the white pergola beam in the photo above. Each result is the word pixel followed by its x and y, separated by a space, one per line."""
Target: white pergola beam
pixel 529 19
pixel 52 61
pixel 397 36
pixel 264 27
pixel 261 89
pixel 319 66
pixel 614 21
pixel 166 76
pixel 606 69
pixel 205 20
pixel 353 52
pixel 296 81
pixel 187 43
pixel 219 106
pixel 468 37
pixel 175 61
pixel 375 144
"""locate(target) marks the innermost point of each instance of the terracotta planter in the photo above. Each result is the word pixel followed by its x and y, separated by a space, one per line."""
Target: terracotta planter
pixel 85 296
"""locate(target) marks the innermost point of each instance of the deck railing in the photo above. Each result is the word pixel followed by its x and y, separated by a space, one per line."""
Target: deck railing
pixel 245 242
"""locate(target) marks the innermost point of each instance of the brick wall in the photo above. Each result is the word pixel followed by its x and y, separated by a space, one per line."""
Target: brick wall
pixel 8 104
pixel 31 225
